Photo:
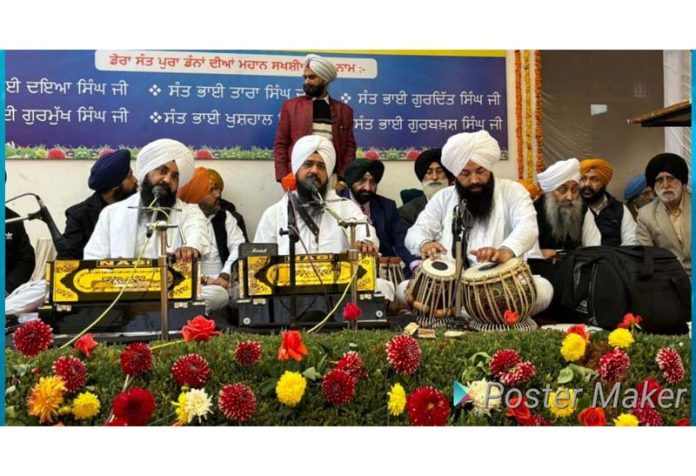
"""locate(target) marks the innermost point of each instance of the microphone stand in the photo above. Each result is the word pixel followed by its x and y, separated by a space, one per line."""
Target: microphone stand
pixel 293 237
pixel 30 216
pixel 462 221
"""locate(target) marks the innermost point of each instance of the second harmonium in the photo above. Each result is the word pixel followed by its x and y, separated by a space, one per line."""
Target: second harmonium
pixel 89 281
pixel 269 275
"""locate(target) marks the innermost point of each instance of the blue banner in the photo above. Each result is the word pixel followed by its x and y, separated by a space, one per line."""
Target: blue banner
pixel 73 103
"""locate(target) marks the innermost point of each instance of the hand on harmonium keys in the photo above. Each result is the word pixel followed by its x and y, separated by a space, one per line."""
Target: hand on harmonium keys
pixel 186 254
pixel 494 255
pixel 367 248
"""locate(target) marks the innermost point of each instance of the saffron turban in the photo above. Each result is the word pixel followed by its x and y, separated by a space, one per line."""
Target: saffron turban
pixel 558 174
pixel 161 151
pixel 670 163
pixel 324 68
pixel 601 166
pixel 197 188
pixel 216 178
pixel 110 170
pixel 306 146
pixel 357 169
pixel 478 147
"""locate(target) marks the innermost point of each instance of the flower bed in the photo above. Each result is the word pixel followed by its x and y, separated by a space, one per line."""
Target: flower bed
pixel 352 378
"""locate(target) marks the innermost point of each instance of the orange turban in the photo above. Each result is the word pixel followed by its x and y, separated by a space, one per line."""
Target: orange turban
pixel 216 178
pixel 533 190
pixel 197 188
pixel 601 166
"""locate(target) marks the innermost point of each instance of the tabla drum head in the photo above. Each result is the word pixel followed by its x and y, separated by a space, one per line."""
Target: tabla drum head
pixel 485 270
pixel 439 268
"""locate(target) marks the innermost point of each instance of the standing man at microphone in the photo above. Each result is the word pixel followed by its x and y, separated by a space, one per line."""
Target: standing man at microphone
pixel 504 219
pixel 162 167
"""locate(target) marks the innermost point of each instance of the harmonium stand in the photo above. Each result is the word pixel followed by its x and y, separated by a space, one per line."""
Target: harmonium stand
pixel 79 291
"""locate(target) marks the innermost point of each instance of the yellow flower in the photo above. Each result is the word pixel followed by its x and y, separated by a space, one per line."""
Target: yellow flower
pixel 562 402
pixel 85 406
pixel 46 398
pixel 626 419
pixel 290 388
pixel 198 404
pixel 397 399
pixel 573 347
pixel 180 409
pixel 621 338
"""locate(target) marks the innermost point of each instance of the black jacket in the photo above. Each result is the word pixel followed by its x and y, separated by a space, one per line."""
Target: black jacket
pixel 81 219
pixel 20 259
pixel 229 206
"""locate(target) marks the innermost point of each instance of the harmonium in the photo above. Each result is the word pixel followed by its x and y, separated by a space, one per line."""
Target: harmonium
pixel 320 280
pixel 79 291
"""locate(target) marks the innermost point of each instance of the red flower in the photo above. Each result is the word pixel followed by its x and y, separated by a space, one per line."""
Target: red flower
pixel 519 374
pixel 352 364
pixel 613 367
pixel 33 338
pixel 289 182
pixel 671 365
pixel 519 410
pixel 116 422
pixel 204 154
pixel 412 154
pixel 593 416
pixel 199 328
pixel 372 155
pixel 538 420
pixel 338 387
pixel 135 407
pixel 136 359
pixel 511 317
pixel 191 370
pixel 351 312
pixel 86 344
pixel 57 154
pixel 404 354
pixel 427 406
pixel 651 388
pixel 630 321
pixel 237 402
pixel 247 353
pixel 72 372
pixel 647 416
pixel 682 422
pixel 503 360
pixel 292 346
pixel 580 330
pixel 106 151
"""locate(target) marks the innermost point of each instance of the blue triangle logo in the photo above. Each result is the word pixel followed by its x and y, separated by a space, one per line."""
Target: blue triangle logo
pixel 461 394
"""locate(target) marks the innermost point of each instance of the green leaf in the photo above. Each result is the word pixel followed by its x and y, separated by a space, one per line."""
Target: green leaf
pixel 20 369
pixel 268 386
pixel 311 374
pixel 565 375
pixel 10 390
pixel 10 413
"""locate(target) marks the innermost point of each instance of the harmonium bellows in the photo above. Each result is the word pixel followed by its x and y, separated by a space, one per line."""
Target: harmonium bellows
pixel 93 281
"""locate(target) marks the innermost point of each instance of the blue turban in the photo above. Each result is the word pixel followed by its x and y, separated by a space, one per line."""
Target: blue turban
pixel 635 187
pixel 110 170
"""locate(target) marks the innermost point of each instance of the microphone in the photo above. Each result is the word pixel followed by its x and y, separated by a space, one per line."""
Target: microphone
pixel 314 187
pixel 46 217
pixel 158 192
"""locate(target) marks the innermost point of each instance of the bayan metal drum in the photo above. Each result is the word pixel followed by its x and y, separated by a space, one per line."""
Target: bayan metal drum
pixel 489 290
pixel 390 269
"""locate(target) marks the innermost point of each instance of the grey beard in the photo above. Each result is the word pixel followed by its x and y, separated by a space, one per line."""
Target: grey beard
pixel 431 187
pixel 564 221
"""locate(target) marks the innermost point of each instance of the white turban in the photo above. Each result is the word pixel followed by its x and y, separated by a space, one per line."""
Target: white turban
pixel 477 146
pixel 160 152
pixel 308 145
pixel 324 68
pixel 558 174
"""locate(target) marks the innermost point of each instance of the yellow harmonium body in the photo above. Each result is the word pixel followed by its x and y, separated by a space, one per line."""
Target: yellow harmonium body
pixel 269 275
pixel 83 281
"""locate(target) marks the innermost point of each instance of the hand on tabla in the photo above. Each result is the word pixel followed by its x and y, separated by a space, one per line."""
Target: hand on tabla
pixel 432 250
pixel 494 255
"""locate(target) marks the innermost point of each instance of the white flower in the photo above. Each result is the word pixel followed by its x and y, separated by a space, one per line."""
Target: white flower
pixel 485 396
pixel 198 404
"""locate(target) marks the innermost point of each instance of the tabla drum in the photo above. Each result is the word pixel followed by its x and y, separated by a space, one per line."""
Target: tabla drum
pixel 390 269
pixel 431 293
pixel 488 290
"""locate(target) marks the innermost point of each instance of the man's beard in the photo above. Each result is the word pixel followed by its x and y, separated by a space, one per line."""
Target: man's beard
pixel 209 210
pixel 363 196
pixel 167 198
pixel 314 91
pixel 595 197
pixel 121 193
pixel 669 196
pixel 565 220
pixel 307 198
pixel 431 187
pixel 480 204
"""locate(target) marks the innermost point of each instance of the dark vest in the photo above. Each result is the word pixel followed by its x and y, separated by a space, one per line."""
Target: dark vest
pixel 609 222
pixel 221 234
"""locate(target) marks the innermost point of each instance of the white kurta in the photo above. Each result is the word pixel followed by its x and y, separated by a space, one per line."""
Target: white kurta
pixel 512 223
pixel 210 263
pixel 118 231
pixel 332 237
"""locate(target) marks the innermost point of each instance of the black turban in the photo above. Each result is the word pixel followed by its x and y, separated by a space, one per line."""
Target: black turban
pixel 426 158
pixel 670 163
pixel 110 170
pixel 357 169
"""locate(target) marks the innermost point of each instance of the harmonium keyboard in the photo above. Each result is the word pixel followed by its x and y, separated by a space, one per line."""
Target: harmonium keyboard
pixel 320 280
pixel 81 290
